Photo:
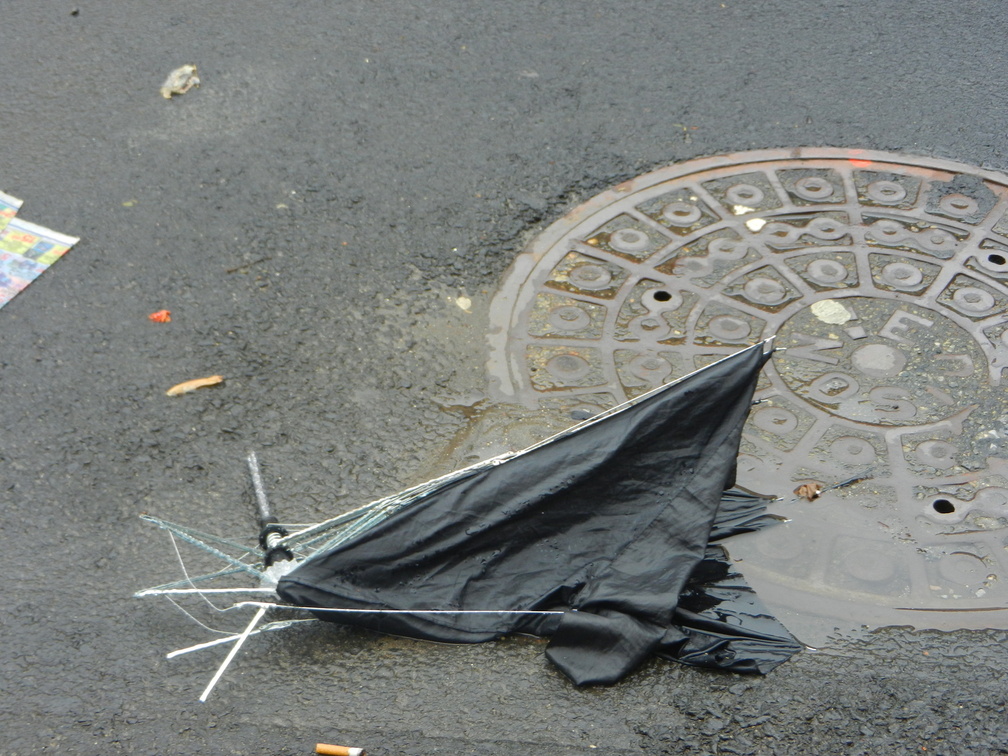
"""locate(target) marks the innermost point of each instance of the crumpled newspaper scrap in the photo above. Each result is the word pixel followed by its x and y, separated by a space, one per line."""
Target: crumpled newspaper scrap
pixel 180 81
pixel 26 249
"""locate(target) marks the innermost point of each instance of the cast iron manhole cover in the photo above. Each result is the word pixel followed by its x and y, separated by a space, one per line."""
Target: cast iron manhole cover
pixel 885 278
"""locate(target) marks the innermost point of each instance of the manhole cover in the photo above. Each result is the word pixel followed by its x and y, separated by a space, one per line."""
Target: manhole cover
pixel 885 278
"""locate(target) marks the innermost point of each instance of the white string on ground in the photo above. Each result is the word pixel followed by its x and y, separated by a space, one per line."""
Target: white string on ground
pixel 186 573
pixel 264 604
pixel 193 618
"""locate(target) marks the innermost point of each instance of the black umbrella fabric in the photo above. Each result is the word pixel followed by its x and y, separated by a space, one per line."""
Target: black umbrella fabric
pixel 603 526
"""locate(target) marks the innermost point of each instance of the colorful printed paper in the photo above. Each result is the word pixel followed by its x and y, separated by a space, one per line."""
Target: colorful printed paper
pixel 8 209
pixel 26 249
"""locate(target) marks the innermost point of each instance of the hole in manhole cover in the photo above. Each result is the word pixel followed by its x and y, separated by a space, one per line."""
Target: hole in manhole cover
pixel 885 279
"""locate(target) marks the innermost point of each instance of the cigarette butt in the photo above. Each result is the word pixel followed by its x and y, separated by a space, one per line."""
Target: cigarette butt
pixel 186 386
pixel 338 750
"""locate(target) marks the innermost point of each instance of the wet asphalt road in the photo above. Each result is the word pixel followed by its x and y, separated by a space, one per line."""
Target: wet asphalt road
pixel 310 216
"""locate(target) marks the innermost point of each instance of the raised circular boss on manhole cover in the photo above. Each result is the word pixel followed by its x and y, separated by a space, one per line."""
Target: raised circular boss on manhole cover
pixel 885 280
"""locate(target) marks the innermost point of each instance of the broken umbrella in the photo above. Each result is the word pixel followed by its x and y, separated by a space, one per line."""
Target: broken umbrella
pixel 600 538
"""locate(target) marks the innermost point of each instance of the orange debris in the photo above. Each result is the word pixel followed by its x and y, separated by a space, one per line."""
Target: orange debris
pixel 161 316
pixel 186 386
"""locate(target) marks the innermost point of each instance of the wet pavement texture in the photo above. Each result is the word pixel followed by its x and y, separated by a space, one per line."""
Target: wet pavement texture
pixel 327 216
pixel 883 278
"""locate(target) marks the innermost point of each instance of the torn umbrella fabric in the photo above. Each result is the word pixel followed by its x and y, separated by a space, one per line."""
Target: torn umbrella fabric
pixel 604 524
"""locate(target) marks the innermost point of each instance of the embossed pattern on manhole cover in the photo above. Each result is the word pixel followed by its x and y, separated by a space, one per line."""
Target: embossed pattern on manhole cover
pixel 885 280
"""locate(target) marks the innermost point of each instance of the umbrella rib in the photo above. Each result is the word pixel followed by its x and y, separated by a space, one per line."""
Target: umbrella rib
pixel 234 650
pixel 280 625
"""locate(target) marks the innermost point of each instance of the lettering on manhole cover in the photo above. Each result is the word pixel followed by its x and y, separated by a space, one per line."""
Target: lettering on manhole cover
pixel 885 280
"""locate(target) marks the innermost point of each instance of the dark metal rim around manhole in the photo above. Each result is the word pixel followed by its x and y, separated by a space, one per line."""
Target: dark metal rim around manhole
pixel 885 279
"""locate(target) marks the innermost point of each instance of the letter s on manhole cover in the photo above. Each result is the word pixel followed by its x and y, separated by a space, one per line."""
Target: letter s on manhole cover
pixel 885 277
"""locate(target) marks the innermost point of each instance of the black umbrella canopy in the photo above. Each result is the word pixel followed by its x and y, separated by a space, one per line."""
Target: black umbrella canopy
pixel 601 527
